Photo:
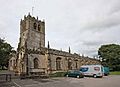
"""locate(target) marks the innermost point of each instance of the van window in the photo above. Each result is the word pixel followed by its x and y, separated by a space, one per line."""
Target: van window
pixel 84 69
pixel 97 68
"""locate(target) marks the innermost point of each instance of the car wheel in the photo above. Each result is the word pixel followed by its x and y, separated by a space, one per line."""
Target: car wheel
pixel 82 76
pixel 66 75
pixel 78 76
pixel 94 75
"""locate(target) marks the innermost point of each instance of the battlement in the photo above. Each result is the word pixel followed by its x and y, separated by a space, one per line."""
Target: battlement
pixel 32 23
pixel 30 17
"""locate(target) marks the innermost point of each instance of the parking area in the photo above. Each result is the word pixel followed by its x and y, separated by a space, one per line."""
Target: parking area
pixel 109 81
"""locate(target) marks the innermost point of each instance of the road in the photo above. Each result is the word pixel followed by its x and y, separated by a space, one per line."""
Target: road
pixel 109 81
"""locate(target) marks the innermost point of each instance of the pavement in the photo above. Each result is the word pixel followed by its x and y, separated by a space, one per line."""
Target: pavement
pixel 107 81
pixel 6 72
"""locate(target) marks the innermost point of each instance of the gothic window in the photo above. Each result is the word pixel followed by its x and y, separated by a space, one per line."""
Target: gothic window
pixel 39 27
pixel 22 68
pixel 49 64
pixel 70 64
pixel 76 65
pixel 34 25
pixel 36 63
pixel 58 63
pixel 14 62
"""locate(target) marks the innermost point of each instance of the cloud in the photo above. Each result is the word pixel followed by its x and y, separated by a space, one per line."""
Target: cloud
pixel 104 23
pixel 92 43
pixel 82 24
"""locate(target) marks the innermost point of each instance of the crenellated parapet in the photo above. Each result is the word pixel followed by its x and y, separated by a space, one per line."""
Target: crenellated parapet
pixel 59 52
pixel 33 23
pixel 73 56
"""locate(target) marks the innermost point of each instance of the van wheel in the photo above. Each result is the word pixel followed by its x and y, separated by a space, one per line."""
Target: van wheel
pixel 94 75
pixel 78 76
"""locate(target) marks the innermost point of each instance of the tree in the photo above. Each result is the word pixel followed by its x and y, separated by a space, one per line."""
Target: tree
pixel 5 50
pixel 110 55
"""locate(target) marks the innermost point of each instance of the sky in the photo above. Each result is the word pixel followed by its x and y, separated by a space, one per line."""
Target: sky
pixel 84 25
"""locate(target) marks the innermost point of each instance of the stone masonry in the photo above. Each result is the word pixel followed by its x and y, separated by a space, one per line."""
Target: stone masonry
pixel 34 58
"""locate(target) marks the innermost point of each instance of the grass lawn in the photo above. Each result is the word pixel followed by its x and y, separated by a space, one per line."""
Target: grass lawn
pixel 115 73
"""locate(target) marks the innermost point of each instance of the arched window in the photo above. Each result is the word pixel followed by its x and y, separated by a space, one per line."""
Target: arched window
pixel 76 64
pixel 58 63
pixel 70 64
pixel 49 63
pixel 34 25
pixel 10 62
pixel 36 63
pixel 14 63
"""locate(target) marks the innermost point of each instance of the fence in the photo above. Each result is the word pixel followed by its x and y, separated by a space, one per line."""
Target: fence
pixel 5 77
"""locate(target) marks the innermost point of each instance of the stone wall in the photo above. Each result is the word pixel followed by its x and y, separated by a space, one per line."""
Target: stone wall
pixel 75 59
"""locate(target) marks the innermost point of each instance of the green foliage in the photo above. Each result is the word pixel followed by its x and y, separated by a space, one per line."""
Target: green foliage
pixel 115 73
pixel 5 50
pixel 110 55
pixel 58 74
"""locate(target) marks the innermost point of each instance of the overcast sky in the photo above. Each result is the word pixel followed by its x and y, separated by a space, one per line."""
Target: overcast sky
pixel 84 25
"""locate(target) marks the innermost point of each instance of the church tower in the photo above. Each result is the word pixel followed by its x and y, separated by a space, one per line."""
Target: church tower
pixel 32 32
pixel 32 39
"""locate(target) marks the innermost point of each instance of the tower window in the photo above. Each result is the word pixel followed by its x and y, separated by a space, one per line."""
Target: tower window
pixel 39 27
pixel 35 25
pixel 36 63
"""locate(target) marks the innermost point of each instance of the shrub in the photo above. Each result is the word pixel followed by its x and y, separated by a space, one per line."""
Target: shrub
pixel 58 74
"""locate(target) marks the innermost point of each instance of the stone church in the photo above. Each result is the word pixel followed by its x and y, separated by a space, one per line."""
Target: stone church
pixel 34 58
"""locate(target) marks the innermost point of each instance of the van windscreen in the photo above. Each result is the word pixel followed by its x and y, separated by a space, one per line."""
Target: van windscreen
pixel 84 69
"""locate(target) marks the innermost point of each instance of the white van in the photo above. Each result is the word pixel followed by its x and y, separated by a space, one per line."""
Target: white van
pixel 92 70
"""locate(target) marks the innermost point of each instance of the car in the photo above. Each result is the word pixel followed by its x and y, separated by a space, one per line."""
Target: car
pixel 74 73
